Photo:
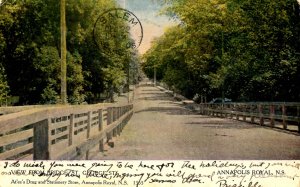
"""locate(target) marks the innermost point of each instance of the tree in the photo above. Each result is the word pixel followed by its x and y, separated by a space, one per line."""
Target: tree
pixel 245 50
pixel 4 88
pixel 30 45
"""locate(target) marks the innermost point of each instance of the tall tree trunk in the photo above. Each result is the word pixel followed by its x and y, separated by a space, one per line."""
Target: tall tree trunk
pixel 63 52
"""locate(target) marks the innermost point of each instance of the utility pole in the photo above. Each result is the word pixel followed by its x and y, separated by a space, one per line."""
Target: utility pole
pixel 222 57
pixel 154 76
pixel 63 47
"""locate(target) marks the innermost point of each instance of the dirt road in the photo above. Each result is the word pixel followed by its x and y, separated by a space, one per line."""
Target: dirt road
pixel 161 128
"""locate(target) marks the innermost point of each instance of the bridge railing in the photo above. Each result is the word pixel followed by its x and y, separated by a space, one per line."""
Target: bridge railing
pixel 60 132
pixel 284 115
pixel 275 114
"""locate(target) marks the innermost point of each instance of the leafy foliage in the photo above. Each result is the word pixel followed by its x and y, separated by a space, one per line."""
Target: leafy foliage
pixel 30 51
pixel 4 88
pixel 244 50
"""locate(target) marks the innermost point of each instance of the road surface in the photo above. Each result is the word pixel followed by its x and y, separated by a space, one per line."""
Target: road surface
pixel 161 128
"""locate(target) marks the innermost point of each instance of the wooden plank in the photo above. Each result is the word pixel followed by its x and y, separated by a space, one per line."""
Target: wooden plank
pixel 94 131
pixel 283 111
pixel 94 124
pixel 21 119
pixel 53 137
pixel 88 130
pixel 71 152
pixel 292 118
pixel 71 129
pixel 101 145
pixel 94 120
pixel 59 125
pixel 272 113
pixel 18 120
pixel 19 136
pixel 83 118
pixel 80 127
pixel 27 157
pixel 268 111
pixel 101 119
pixel 95 114
pixel 15 151
pixel 41 140
pixel 80 137
pixel 87 144
pixel 58 148
pixel 114 124
pixel 41 132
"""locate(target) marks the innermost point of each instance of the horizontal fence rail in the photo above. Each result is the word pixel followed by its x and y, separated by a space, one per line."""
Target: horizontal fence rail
pixel 60 132
pixel 284 115
pixel 281 115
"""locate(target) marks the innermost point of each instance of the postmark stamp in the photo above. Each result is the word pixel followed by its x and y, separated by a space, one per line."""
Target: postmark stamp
pixel 117 29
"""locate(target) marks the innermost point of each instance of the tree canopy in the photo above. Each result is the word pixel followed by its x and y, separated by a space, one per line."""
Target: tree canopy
pixel 244 50
pixel 30 51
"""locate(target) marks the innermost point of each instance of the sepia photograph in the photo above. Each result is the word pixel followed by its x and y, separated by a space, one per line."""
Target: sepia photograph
pixel 150 93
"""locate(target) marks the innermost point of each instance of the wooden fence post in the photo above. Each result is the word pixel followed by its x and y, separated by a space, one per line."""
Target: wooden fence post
pixel 261 119
pixel 222 110
pixel 87 153
pixel 101 145
pixel 231 107
pixel 225 111
pixel 252 114
pixel 100 118
pixel 114 131
pixel 283 110
pixel 109 115
pixel 100 128
pixel 298 115
pixel 272 113
pixel 119 129
pixel 237 115
pixel 41 144
pixel 117 113
pixel 114 114
pixel 71 129
pixel 88 130
pixel 244 112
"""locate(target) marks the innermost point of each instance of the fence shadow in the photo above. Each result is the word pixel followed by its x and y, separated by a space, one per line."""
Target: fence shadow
pixel 168 110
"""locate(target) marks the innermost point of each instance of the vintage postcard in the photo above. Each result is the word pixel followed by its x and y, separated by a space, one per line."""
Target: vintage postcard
pixel 150 93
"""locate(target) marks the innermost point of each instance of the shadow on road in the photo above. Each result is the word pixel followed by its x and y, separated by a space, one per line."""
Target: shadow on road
pixel 167 110
pixel 156 98
pixel 223 125
pixel 153 94
pixel 151 90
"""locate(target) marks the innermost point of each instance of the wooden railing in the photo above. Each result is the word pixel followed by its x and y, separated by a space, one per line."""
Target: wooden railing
pixel 60 132
pixel 285 115
pixel 280 115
